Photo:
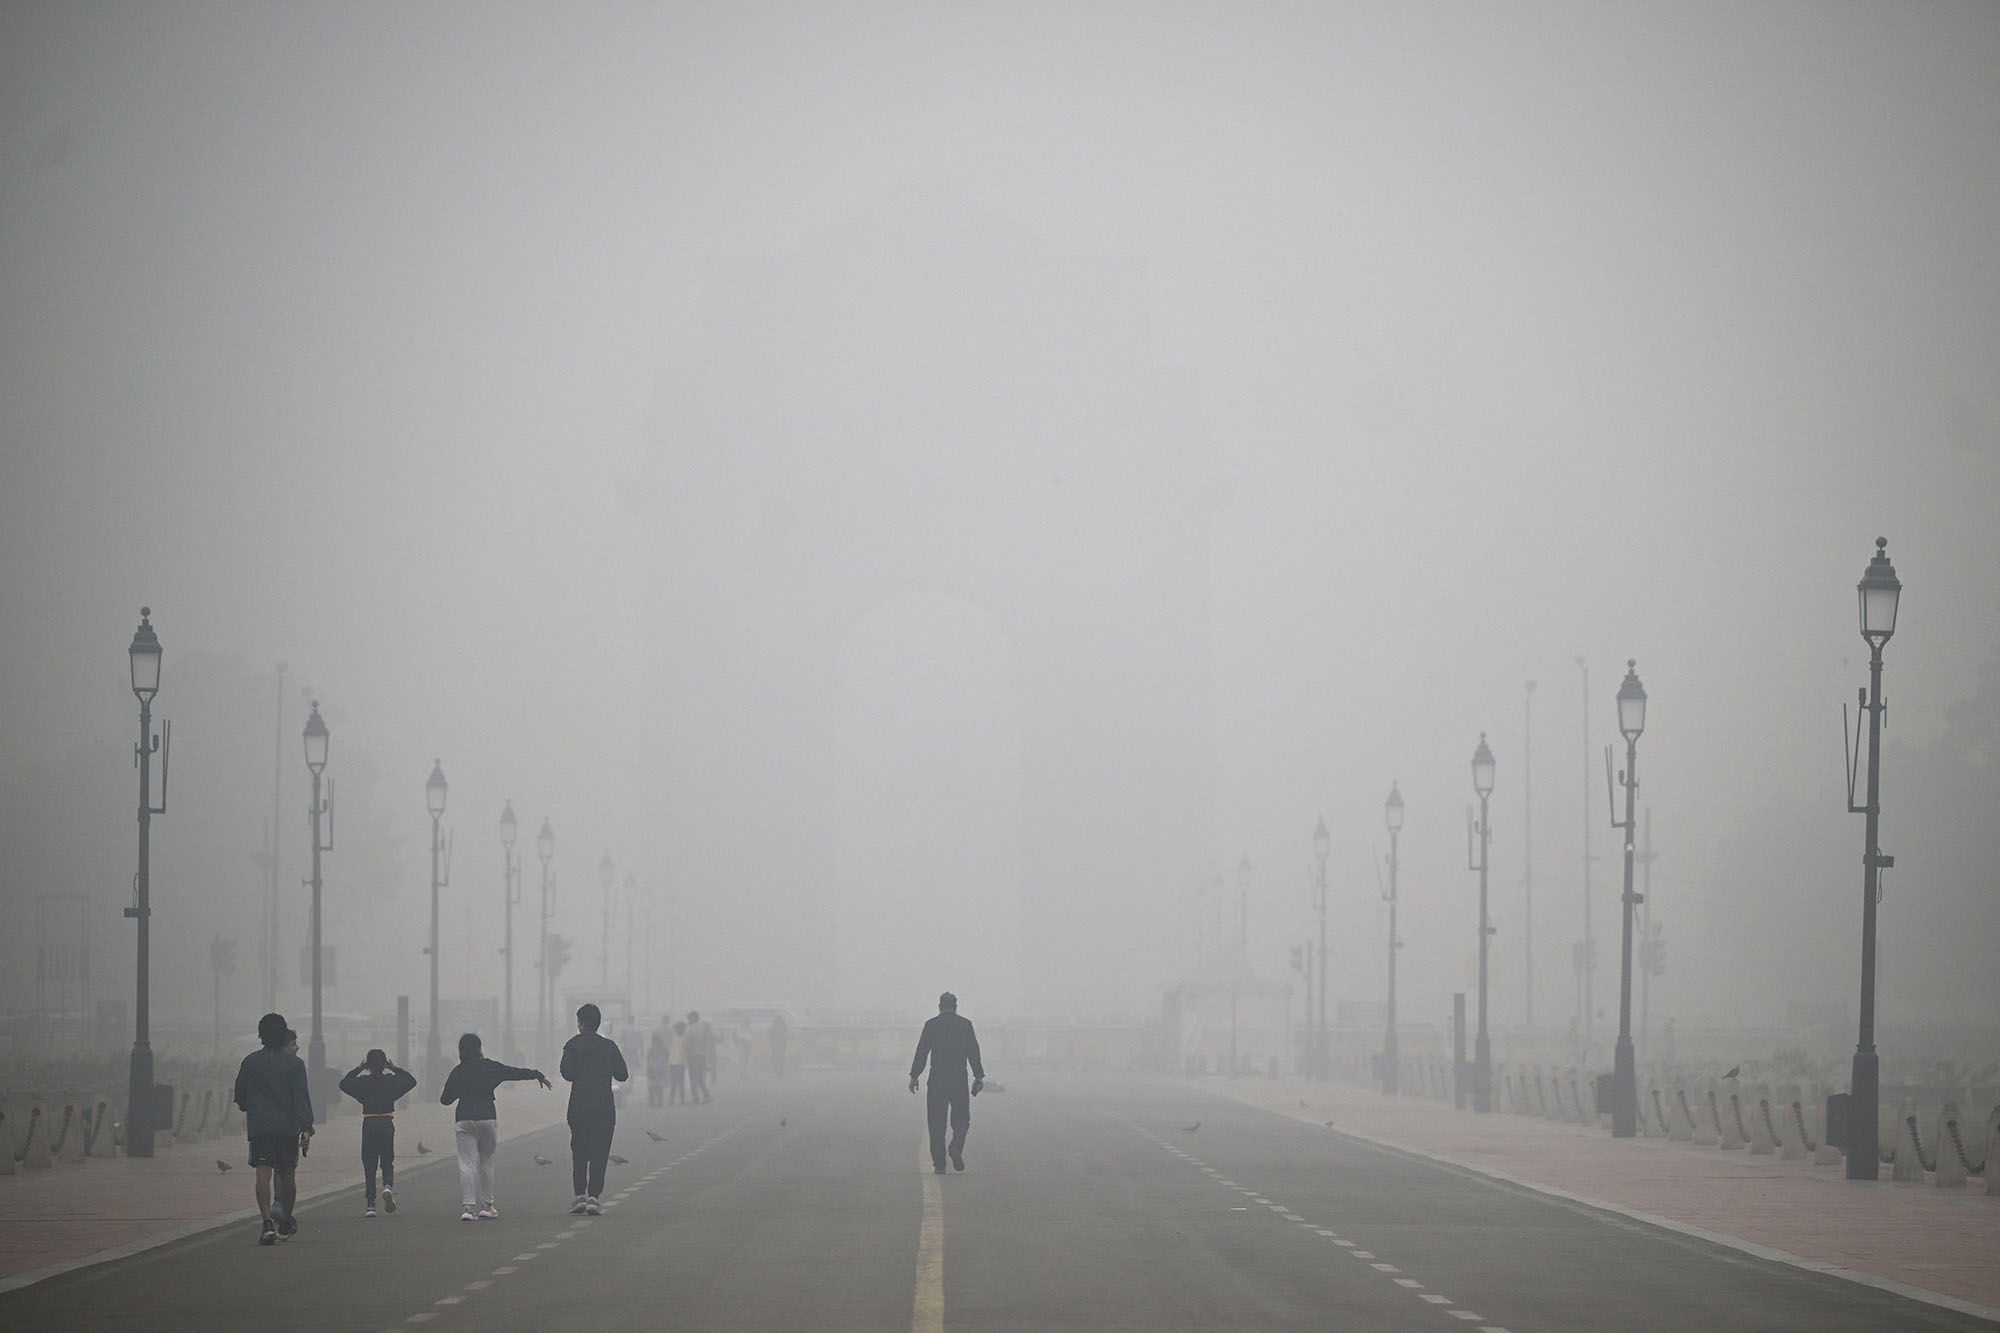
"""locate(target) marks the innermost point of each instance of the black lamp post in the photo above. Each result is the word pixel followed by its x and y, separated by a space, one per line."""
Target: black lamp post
pixel 1624 1077
pixel 1241 960
pixel 315 741
pixel 434 793
pixel 510 880
pixel 1482 1049
pixel 1322 845
pixel 1879 591
pixel 1393 814
pixel 145 655
pixel 545 847
pixel 605 874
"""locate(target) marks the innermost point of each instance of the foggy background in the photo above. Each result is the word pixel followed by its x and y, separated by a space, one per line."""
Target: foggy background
pixel 926 490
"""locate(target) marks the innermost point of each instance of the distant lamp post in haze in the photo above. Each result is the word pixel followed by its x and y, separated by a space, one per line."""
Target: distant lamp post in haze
pixel 605 875
pixel 140 1121
pixel 1879 591
pixel 545 847
pixel 1624 1076
pixel 315 742
pixel 1482 1048
pixel 510 880
pixel 1322 846
pixel 1393 816
pixel 1241 961
pixel 434 793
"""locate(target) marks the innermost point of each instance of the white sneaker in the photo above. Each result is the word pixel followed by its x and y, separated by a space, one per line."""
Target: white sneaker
pixel 590 1206
pixel 369 1211
pixel 466 1216
pixel 488 1213
pixel 388 1199
pixel 578 1206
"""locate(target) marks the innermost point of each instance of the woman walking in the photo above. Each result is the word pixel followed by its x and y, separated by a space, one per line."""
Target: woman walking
pixel 471 1084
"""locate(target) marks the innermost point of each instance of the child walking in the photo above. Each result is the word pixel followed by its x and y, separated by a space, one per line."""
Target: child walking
pixel 378 1086
pixel 471 1084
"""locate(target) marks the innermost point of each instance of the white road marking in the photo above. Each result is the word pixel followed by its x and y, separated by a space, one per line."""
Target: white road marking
pixel 480 1285
pixel 1463 1314
pixel 928 1314
pixel 1434 1298
pixel 504 1271
pixel 1409 1282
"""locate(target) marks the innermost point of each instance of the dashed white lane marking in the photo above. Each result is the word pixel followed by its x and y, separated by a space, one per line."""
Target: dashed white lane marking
pixel 573 1229
pixel 1284 1211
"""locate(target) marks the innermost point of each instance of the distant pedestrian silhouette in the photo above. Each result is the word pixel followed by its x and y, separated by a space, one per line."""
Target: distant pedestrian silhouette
pixel 950 1044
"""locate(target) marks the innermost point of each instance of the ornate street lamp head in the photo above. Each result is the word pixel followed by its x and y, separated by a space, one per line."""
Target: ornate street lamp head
pixel 316 737
pixel 1322 841
pixel 1879 590
pixel 1394 809
pixel 545 842
pixel 508 826
pixel 435 788
pixel 1482 768
pixel 1631 702
pixel 145 651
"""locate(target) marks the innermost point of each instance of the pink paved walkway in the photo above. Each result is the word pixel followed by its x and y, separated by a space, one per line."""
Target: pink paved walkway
pixel 57 1218
pixel 1916 1236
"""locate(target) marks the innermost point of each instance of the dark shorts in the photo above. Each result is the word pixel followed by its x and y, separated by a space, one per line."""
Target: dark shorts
pixel 278 1150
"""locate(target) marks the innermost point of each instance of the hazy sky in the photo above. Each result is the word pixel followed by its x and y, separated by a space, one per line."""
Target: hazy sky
pixel 338 335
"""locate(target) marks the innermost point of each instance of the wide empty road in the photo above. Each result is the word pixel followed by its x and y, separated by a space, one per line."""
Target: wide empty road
pixel 1087 1203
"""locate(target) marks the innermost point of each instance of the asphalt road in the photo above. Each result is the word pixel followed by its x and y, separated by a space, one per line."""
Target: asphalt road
pixel 1087 1204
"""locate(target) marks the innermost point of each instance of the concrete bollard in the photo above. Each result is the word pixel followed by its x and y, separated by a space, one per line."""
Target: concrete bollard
pixel 1950 1152
pixel 71 1125
pixel 1708 1116
pixel 1790 1108
pixel 102 1140
pixel 1762 1122
pixel 35 1143
pixel 1681 1122
pixel 1906 1155
pixel 1728 1101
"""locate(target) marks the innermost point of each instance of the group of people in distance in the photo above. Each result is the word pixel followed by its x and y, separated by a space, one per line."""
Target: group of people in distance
pixel 679 1061
pixel 271 1089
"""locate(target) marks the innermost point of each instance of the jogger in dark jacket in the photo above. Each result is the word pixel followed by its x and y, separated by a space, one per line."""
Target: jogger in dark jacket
pixel 378 1086
pixel 591 1062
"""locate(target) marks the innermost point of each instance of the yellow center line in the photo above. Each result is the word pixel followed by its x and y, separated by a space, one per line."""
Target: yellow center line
pixel 929 1311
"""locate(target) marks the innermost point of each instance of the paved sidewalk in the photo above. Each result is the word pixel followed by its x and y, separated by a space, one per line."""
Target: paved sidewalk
pixel 68 1216
pixel 1940 1245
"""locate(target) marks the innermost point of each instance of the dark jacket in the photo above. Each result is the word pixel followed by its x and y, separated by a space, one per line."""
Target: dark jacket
pixel 272 1094
pixel 590 1061
pixel 951 1045
pixel 378 1093
pixel 471 1082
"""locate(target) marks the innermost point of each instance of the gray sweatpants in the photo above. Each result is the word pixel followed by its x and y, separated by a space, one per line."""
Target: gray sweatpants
pixel 476 1142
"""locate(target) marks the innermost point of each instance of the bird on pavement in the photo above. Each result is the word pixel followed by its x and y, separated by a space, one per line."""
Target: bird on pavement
pixel 221 1164
pixel 1189 1129
pixel 619 1160
pixel 657 1138
pixel 1329 1124
pixel 781 1121
pixel 1734 1070
pixel 421 1149
pixel 542 1161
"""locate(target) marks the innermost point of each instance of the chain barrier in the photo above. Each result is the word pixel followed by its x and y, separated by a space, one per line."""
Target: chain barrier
pixel 1799 1119
pixel 1764 1109
pixel 1715 1111
pixel 62 1134
pixel 1928 1164
pixel 1958 1146
pixel 1686 1110
pixel 93 1126
pixel 1660 1113
pixel 1736 1109
pixel 28 1139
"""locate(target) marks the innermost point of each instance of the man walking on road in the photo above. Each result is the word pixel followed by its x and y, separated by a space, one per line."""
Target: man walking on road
pixel 950 1044
pixel 278 1116
pixel 591 1062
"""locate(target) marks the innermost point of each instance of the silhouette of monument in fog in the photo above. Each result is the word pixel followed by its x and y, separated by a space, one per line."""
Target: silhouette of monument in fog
pixel 928 655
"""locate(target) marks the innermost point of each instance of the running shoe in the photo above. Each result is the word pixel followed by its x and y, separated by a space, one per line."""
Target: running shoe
pixel 577 1207
pixel 466 1216
pixel 369 1211
pixel 388 1199
pixel 488 1213
pixel 288 1227
pixel 590 1206
pixel 269 1235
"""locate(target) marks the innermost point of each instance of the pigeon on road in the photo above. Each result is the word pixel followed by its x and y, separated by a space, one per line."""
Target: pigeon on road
pixel 657 1138
pixel 1734 1070
pixel 619 1160
pixel 1189 1129
pixel 781 1121
pixel 421 1149
pixel 542 1161
pixel 222 1165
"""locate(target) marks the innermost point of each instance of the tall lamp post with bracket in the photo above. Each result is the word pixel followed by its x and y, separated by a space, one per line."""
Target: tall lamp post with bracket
pixel 1481 834
pixel 316 745
pixel 1879 592
pixel 434 794
pixel 1624 1075
pixel 1393 816
pixel 1322 846
pixel 140 1120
